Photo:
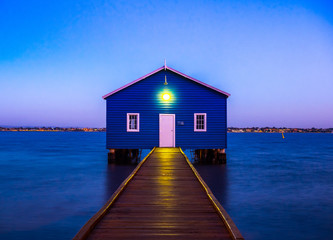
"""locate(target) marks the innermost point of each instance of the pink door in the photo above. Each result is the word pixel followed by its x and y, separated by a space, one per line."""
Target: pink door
pixel 167 130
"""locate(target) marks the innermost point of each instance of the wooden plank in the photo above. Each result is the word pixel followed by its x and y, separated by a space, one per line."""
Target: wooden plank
pixel 165 199
pixel 89 226
pixel 231 226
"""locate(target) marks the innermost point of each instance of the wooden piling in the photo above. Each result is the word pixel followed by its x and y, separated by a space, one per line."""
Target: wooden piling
pixel 123 156
pixel 210 156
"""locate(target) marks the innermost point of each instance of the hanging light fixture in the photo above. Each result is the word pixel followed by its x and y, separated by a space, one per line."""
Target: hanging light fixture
pixel 165 80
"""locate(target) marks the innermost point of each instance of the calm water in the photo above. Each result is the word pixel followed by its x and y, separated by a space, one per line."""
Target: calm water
pixel 52 183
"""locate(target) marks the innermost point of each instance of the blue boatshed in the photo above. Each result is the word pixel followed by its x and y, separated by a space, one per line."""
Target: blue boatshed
pixel 166 108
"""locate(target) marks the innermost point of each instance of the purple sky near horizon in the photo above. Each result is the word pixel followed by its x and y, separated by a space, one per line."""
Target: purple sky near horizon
pixel 57 59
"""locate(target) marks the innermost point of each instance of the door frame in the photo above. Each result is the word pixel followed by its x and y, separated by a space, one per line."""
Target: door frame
pixel 174 128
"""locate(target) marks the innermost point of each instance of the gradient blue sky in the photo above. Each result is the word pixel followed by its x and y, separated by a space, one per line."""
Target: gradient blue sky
pixel 57 58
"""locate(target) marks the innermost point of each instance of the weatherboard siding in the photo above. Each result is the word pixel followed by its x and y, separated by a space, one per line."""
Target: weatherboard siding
pixel 187 98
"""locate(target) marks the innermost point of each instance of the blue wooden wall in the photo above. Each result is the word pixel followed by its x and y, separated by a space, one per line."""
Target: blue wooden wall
pixel 187 98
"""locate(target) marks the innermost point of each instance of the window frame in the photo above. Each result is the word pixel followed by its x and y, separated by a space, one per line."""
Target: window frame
pixel 195 122
pixel 128 122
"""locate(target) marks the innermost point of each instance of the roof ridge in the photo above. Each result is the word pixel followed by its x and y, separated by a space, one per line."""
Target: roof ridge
pixel 165 68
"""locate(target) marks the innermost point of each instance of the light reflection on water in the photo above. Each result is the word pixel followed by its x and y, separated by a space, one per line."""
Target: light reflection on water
pixel 273 188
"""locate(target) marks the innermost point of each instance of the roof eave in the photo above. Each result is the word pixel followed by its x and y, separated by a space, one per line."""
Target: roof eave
pixel 198 81
pixel 133 82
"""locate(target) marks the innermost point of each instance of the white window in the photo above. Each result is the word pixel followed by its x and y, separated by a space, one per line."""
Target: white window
pixel 200 122
pixel 133 122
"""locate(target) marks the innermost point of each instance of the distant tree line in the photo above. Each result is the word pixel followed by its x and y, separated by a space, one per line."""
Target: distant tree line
pixel 280 130
pixel 52 129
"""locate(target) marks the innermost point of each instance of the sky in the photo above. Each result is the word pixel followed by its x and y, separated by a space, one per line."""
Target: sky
pixel 58 58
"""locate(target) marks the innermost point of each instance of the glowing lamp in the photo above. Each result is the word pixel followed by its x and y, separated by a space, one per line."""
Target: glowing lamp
pixel 166 96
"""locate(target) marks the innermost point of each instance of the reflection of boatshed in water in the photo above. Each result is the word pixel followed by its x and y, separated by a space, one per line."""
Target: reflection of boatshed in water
pixel 167 108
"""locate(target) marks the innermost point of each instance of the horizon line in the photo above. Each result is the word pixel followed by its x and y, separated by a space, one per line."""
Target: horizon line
pixel 10 126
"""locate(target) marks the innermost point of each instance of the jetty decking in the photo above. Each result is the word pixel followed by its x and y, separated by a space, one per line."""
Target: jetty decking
pixel 164 198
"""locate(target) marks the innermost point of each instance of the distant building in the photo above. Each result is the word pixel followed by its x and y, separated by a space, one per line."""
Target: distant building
pixel 166 108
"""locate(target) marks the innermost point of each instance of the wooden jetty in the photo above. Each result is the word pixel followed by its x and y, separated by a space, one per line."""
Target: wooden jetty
pixel 163 198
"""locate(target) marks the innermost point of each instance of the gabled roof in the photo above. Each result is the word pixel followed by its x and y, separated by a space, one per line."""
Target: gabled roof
pixel 165 68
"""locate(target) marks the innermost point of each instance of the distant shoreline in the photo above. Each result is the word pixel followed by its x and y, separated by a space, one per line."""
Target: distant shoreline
pixel 279 130
pixel 50 129
pixel 230 130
